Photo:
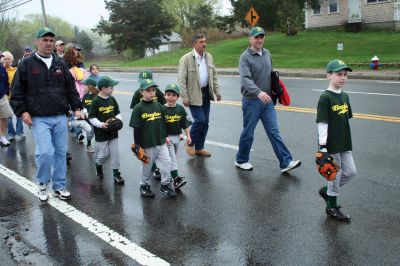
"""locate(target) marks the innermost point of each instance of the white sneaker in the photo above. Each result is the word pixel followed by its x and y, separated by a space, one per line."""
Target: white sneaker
pixel 245 166
pixel 292 165
pixel 4 141
pixel 43 193
pixel 63 194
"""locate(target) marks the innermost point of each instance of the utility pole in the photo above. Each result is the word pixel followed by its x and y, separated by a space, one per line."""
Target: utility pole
pixel 43 14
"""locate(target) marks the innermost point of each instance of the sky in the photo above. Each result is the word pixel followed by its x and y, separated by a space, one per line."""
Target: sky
pixel 82 13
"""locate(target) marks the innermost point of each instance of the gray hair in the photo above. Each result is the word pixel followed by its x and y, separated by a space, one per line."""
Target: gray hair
pixel 197 36
pixel 8 54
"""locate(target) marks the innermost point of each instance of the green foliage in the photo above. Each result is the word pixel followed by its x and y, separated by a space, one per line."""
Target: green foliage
pixel 191 16
pixel 136 25
pixel 83 39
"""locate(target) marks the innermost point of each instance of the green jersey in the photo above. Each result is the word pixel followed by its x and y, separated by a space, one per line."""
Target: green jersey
pixel 137 97
pixel 87 100
pixel 148 116
pixel 335 110
pixel 103 109
pixel 175 119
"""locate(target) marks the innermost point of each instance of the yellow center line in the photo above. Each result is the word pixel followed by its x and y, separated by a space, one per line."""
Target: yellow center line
pixel 393 119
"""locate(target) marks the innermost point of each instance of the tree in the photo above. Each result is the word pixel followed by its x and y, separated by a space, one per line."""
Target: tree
pixel 191 16
pixel 136 25
pixel 274 14
pixel 84 41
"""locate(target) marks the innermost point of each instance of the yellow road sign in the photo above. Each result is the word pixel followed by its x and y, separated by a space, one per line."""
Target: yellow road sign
pixel 252 17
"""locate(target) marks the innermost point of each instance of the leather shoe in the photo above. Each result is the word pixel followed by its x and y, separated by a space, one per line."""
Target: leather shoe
pixel 190 150
pixel 203 152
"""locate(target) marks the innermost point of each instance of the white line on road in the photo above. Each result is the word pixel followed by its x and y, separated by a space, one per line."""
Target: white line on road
pixel 222 145
pixel 367 93
pixel 111 237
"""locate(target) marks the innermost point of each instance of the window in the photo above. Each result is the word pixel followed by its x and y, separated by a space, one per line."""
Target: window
pixel 375 1
pixel 333 6
pixel 317 10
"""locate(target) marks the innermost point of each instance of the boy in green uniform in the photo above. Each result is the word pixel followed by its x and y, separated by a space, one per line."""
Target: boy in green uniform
pixel 91 92
pixel 333 114
pixel 158 97
pixel 149 133
pixel 175 118
pixel 103 107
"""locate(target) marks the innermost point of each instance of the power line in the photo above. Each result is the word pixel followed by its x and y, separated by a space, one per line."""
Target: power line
pixel 17 4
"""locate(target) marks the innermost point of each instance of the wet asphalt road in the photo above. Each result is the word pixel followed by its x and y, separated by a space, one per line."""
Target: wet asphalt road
pixel 225 216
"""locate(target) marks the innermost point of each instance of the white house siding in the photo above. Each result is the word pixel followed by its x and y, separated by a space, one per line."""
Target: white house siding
pixel 377 12
pixel 373 13
pixel 326 19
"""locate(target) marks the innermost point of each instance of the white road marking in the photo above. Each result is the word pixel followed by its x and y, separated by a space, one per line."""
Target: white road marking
pixel 111 237
pixel 222 145
pixel 367 93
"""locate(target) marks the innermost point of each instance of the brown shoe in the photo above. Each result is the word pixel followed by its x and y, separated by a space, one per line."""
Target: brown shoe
pixel 190 150
pixel 203 152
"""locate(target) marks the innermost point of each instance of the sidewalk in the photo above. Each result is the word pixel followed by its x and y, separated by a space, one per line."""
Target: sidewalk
pixel 284 72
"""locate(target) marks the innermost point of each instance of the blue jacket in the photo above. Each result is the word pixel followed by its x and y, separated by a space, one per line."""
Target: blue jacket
pixel 4 87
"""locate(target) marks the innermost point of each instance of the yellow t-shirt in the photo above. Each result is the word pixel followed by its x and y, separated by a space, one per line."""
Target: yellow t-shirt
pixel 11 72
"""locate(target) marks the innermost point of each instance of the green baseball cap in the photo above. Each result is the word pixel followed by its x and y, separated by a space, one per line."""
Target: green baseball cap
pixel 146 74
pixel 336 65
pixel 105 82
pixel 45 31
pixel 90 81
pixel 147 83
pixel 255 31
pixel 173 87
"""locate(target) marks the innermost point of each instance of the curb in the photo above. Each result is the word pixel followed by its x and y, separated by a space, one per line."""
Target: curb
pixel 366 75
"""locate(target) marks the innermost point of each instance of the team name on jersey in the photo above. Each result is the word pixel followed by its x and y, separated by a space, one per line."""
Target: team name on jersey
pixel 106 109
pixel 88 102
pixel 152 116
pixel 341 109
pixel 173 118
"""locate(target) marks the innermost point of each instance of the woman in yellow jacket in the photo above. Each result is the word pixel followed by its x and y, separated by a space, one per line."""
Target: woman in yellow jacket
pixel 8 60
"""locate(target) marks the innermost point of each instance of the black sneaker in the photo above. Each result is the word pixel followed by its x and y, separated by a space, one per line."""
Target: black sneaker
pixel 118 179
pixel 179 181
pixel 336 214
pixel 157 174
pixel 146 191
pixel 63 194
pixel 323 194
pixel 166 189
pixel 99 171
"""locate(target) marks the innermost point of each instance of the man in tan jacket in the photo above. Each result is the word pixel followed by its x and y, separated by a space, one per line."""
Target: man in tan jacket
pixel 199 82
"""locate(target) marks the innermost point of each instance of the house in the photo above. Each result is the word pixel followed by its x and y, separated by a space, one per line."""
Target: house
pixel 368 13
pixel 174 42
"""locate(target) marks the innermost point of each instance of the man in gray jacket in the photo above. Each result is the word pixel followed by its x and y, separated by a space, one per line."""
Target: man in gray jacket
pixel 198 81
pixel 255 68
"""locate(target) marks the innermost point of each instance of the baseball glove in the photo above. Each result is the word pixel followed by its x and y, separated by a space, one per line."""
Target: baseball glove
pixel 113 125
pixel 140 153
pixel 326 166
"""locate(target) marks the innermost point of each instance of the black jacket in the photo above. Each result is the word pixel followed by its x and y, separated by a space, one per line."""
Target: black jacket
pixel 41 91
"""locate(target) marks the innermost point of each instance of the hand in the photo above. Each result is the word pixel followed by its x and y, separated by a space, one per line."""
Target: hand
pixel 188 140
pixel 185 103
pixel 219 97
pixel 264 97
pixel 26 117
pixel 167 141
pixel 103 125
pixel 79 114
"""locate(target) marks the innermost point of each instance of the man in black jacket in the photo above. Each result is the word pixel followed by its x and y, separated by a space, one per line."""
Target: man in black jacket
pixel 43 90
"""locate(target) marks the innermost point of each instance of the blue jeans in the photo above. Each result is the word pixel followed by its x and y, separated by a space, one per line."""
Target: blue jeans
pixel 254 110
pixel 19 127
pixel 201 117
pixel 50 134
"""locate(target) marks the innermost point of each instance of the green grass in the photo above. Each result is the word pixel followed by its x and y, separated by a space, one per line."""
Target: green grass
pixel 305 50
